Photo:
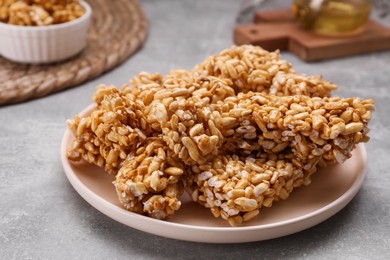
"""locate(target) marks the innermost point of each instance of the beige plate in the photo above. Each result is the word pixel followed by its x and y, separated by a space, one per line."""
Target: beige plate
pixel 331 189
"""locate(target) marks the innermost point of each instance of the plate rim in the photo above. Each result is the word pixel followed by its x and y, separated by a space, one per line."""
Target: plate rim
pixel 97 202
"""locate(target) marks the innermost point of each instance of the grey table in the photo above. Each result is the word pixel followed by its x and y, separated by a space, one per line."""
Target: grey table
pixel 41 215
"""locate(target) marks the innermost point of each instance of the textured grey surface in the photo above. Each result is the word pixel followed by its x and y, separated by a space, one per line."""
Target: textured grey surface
pixel 41 216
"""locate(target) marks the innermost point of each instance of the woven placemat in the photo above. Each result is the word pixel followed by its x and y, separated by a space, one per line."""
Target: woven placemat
pixel 117 30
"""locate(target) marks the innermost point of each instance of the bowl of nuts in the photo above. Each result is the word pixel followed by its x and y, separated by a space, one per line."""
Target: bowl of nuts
pixel 43 31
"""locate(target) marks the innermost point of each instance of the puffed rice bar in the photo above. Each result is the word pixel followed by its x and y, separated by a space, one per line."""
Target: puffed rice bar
pixel 150 180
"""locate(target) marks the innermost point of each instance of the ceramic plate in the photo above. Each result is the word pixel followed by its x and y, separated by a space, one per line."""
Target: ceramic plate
pixel 331 190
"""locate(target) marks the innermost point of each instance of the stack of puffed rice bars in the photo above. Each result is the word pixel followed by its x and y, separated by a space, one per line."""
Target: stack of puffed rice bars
pixel 238 133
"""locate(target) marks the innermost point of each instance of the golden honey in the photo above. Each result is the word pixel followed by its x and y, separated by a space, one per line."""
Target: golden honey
pixel 333 17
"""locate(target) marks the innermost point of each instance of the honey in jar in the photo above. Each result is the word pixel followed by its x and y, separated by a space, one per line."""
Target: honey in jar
pixel 333 17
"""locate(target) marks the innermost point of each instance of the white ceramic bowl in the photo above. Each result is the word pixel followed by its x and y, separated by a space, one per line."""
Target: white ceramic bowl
pixel 45 44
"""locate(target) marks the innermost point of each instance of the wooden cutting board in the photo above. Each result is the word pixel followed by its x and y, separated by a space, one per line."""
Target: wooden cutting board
pixel 279 30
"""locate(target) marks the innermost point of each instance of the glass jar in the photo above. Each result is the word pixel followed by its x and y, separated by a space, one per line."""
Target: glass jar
pixel 333 17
